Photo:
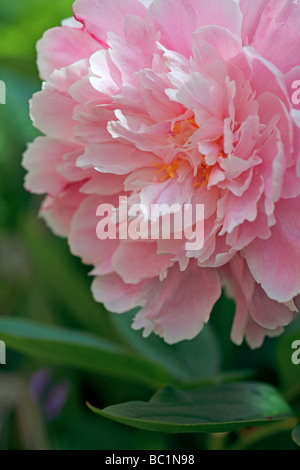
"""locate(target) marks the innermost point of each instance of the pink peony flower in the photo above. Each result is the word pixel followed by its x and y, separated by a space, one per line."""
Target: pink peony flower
pixel 177 101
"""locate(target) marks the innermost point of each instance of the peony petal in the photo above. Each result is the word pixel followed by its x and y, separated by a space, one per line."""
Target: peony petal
pixel 279 254
pixel 135 261
pixel 239 209
pixel 117 296
pixel 252 12
pixel 58 212
pixel 205 99
pixel 163 312
pixel 268 313
pixel 136 51
pixel 103 184
pixel 256 315
pixel 168 193
pixel 221 39
pixel 101 16
pixel 83 239
pixel 115 157
pixel 271 39
pixel 63 46
pixel 41 159
pixel 52 113
pixel 176 21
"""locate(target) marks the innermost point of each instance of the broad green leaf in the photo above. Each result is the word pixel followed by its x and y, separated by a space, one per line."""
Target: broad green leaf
pixel 80 350
pixel 188 360
pixel 207 409
pixel 296 435
pixel 288 356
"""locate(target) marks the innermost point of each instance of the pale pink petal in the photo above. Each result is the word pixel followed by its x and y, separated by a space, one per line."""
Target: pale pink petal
pixel 279 254
pixel 202 97
pixel 146 3
pixel 117 296
pixel 156 102
pixel 63 46
pixel 239 285
pixel 135 261
pixel 268 313
pixel 103 184
pixel 177 21
pixel 83 238
pixel 255 334
pixel 52 114
pixel 67 167
pixel 142 132
pixel 266 77
pixel 271 39
pixel 168 192
pixel 41 159
pixel 102 16
pixel 221 39
pixel 163 312
pixel 256 316
pixel 273 114
pixel 244 234
pixel 58 212
pixel 240 209
pixel 115 157
pixel 93 125
pixel 252 12
pixel 63 79
pixel 136 51
pixel 291 184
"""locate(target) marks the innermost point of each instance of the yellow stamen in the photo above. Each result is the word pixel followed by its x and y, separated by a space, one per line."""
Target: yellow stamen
pixel 170 170
pixel 177 128
pixel 193 123
pixel 181 131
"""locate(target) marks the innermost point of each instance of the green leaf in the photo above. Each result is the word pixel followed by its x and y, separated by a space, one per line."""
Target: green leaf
pixel 207 409
pixel 80 350
pixel 187 361
pixel 296 435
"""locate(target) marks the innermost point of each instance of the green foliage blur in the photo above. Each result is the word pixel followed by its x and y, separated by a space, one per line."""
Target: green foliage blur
pixel 42 287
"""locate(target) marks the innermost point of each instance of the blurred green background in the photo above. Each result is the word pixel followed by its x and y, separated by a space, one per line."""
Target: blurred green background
pixel 42 405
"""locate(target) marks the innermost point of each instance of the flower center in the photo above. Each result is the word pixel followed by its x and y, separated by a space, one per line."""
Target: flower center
pixel 184 126
pixel 180 137
pixel 169 171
